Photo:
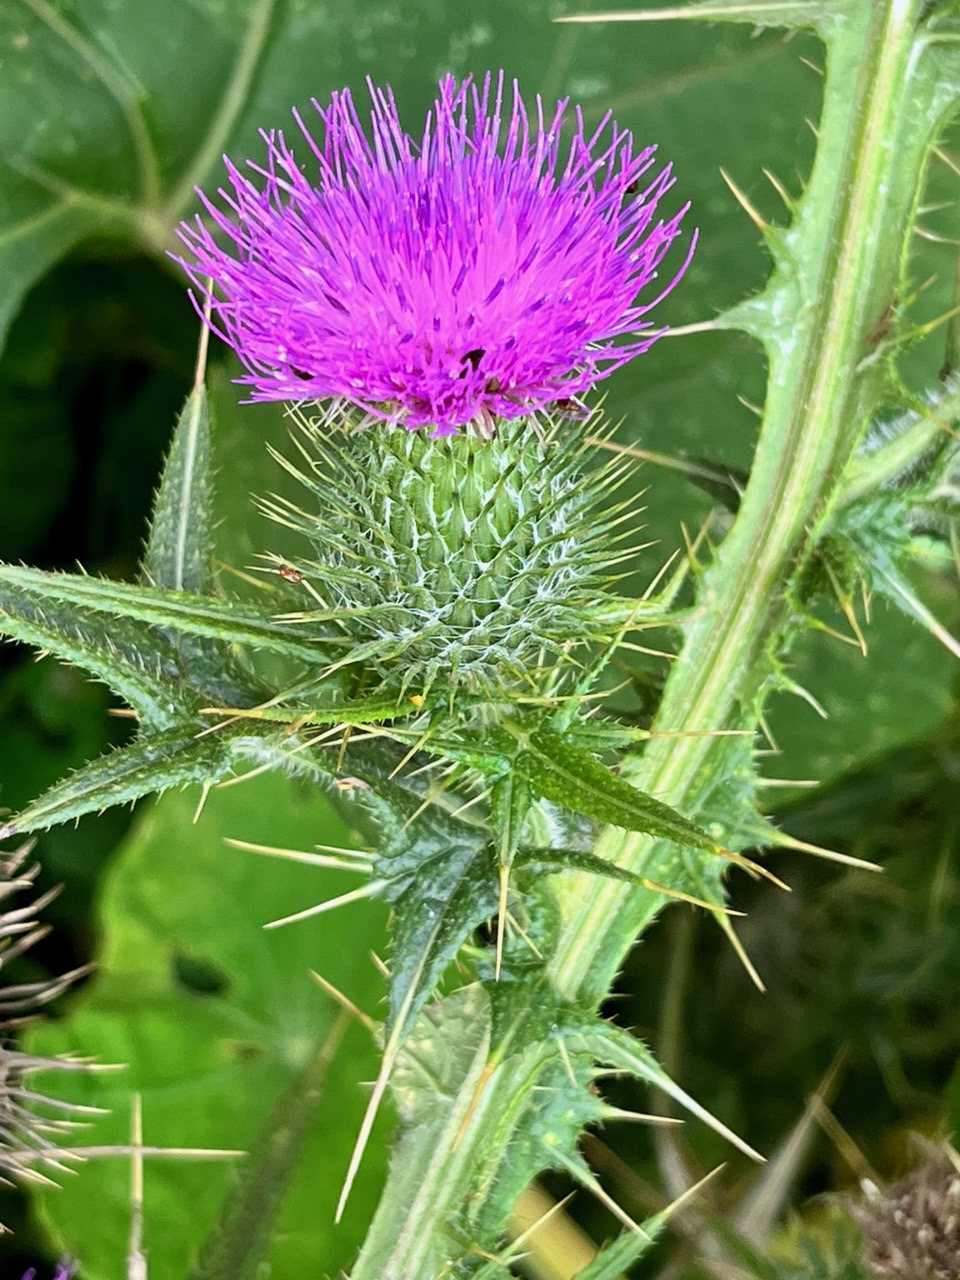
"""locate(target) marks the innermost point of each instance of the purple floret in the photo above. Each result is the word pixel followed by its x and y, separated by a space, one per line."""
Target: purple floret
pixel 489 270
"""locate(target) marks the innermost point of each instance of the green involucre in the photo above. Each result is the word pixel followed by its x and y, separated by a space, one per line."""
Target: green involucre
pixel 457 559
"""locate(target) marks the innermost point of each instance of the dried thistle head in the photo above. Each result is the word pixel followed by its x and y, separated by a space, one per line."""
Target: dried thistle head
pixel 911 1229
pixel 32 1125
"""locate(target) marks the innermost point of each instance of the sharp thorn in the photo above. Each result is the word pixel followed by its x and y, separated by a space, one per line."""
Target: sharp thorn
pixel 743 201
pixel 501 918
pixel 742 956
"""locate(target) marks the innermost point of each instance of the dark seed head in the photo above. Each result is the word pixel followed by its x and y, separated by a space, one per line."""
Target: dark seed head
pixel 912 1229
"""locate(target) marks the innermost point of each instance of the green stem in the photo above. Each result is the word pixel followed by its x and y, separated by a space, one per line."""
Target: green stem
pixel 837 271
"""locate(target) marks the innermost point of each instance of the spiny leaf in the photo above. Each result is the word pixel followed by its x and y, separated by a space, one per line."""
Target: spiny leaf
pixel 438 872
pixel 135 662
pixel 172 610
pixel 611 1262
pixel 547 860
pixel 154 763
pixel 346 711
pixel 617 1048
pixel 432 917
pixel 558 771
pixel 179 549
pixel 437 1074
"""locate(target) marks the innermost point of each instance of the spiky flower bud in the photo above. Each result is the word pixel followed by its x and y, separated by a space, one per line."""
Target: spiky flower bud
pixel 912 1228
pixel 459 560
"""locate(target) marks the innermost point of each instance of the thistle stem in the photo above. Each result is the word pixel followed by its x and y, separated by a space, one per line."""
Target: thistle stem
pixel 837 272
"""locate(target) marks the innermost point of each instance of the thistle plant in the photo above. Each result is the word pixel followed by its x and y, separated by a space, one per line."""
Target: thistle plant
pixel 442 652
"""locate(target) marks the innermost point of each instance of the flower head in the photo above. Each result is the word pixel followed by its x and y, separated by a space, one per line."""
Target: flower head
pixel 486 271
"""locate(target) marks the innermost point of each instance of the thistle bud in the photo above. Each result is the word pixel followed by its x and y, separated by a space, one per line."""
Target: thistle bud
pixel 454 559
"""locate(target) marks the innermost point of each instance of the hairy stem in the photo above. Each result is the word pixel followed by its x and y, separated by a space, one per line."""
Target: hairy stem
pixel 837 271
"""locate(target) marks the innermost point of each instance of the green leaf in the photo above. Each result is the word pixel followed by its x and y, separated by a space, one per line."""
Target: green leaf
pixel 212 1068
pixel 617 1048
pixel 179 552
pixel 138 664
pixel 173 610
pixel 556 860
pixel 447 899
pixel 154 763
pixel 179 548
pixel 557 770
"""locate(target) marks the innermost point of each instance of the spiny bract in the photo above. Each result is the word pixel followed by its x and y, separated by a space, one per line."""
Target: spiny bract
pixel 484 271
pixel 460 560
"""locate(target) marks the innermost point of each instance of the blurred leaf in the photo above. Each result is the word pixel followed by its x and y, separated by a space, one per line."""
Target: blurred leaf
pixel 240 1239
pixel 211 1064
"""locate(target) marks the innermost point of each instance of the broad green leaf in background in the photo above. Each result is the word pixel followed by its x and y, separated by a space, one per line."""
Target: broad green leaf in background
pixel 216 1018
pixel 903 688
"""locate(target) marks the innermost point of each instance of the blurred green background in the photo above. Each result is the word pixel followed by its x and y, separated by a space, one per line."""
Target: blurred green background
pixel 110 112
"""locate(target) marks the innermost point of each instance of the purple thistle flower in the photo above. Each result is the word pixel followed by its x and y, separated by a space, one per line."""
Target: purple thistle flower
pixel 484 272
